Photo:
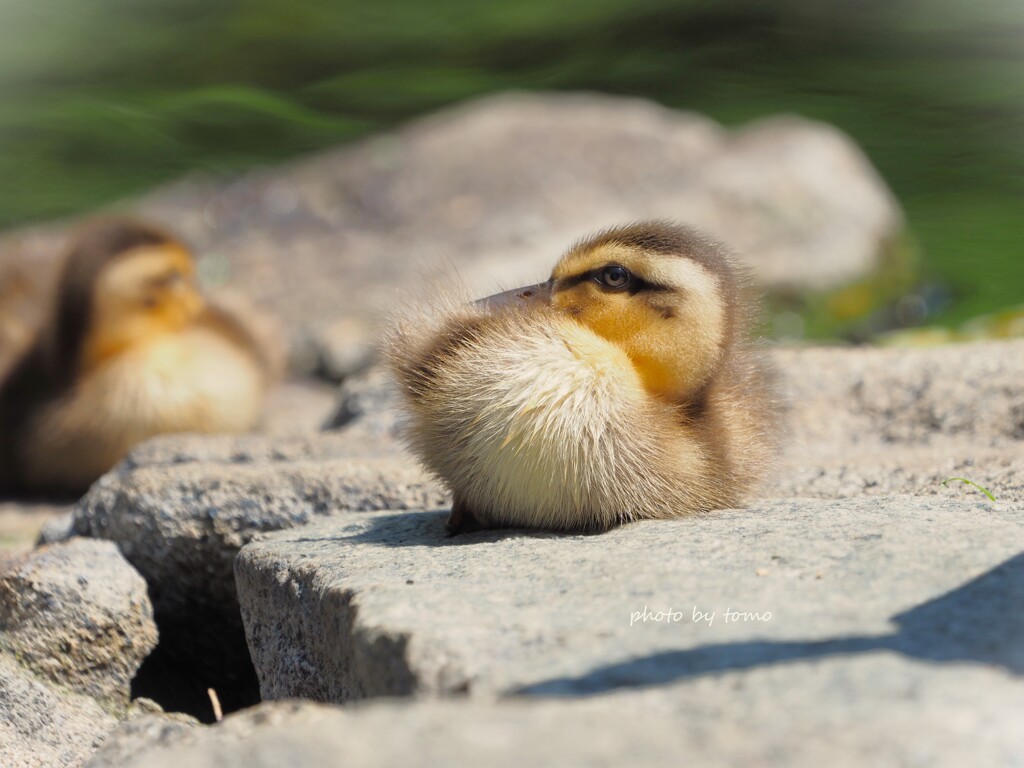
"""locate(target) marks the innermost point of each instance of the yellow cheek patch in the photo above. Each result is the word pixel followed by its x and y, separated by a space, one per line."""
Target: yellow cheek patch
pixel 673 353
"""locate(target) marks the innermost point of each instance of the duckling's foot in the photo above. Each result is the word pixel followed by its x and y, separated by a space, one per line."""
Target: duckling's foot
pixel 462 519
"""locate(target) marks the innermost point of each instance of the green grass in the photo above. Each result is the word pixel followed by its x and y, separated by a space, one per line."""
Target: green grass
pixel 969 482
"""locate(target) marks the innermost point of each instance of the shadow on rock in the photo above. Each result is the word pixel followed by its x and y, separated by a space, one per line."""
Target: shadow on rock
pixel 980 622
pixel 426 529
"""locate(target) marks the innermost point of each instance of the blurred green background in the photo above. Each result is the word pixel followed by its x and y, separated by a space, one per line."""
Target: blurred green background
pixel 102 99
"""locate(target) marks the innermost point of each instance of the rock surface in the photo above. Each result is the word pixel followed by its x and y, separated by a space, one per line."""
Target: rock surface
pixel 77 614
pixel 384 604
pixel 180 508
pixel 181 525
pixel 75 626
pixel 882 630
pixel 42 726
pixel 140 733
pixel 631 729
pixel 851 399
pixel 492 192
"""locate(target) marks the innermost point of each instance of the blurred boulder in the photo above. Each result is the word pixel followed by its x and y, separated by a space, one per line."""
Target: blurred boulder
pixel 307 735
pixel 146 731
pixel 491 192
pixel 341 348
pixel 22 522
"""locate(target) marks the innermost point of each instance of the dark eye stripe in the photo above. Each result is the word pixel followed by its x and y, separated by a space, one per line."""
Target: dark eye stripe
pixel 635 285
pixel 572 281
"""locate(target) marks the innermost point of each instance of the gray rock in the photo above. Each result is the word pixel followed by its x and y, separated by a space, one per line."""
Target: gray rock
pixel 929 470
pixel 343 347
pixel 58 528
pixel 850 400
pixel 180 523
pixel 875 639
pixel 77 614
pixel 268 452
pixel 145 731
pixel 43 726
pixel 716 727
pixel 492 192
pixel 369 401
pixel 384 604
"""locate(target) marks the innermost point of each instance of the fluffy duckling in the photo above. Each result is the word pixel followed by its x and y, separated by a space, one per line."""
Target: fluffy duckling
pixel 623 388
pixel 130 349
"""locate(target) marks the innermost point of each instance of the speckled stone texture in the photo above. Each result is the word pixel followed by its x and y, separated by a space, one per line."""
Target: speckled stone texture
pixel 180 509
pixel 139 734
pixel 78 615
pixel 75 626
pixel 774 717
pixel 43 726
pixel 385 604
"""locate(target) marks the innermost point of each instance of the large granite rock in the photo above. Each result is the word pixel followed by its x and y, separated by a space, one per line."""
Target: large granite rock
pixel 43 726
pixel 728 722
pixel 493 191
pixel 78 615
pixel 75 626
pixel 180 508
pixel 384 604
pixel 141 733
pixel 868 421
pixel 305 735
pixel 845 400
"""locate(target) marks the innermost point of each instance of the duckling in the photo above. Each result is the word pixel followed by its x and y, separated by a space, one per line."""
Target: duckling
pixel 623 388
pixel 17 291
pixel 130 349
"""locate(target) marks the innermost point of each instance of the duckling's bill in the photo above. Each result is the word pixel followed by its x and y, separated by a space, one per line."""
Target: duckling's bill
pixel 527 296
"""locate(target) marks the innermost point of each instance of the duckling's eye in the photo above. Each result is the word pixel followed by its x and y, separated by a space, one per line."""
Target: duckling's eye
pixel 614 276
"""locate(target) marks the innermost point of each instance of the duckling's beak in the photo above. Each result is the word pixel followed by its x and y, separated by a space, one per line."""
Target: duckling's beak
pixel 524 297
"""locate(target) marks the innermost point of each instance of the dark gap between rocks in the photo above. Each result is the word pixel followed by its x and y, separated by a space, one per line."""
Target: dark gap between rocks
pixel 173 678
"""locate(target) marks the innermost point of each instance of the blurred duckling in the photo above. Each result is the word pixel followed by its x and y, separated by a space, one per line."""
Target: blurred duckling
pixel 17 313
pixel 130 349
pixel 623 388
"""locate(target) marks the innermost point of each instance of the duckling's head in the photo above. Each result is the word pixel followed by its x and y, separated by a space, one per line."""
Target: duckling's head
pixel 123 283
pixel 662 293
